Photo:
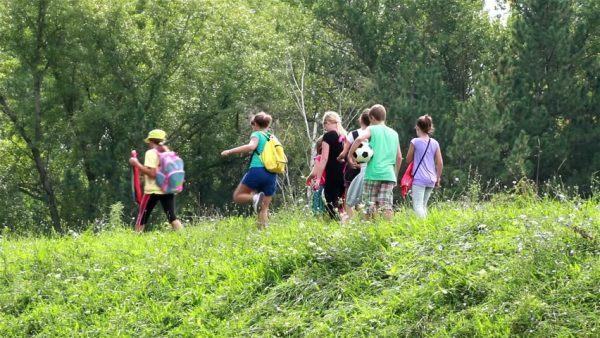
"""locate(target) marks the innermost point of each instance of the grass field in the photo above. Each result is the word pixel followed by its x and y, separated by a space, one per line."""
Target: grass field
pixel 499 268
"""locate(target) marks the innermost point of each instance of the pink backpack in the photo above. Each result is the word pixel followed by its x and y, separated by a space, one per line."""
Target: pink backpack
pixel 170 175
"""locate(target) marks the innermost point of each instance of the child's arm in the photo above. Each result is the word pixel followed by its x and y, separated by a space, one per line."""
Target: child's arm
pixel 313 170
pixel 320 166
pixel 410 154
pixel 344 152
pixel 439 166
pixel 150 172
pixel 310 180
pixel 398 161
pixel 247 148
pixel 364 137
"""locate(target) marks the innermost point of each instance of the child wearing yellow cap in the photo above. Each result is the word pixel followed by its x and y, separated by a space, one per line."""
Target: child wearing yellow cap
pixel 152 192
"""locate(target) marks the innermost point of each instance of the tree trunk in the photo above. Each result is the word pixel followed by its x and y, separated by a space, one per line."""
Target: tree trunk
pixel 35 141
pixel 38 78
pixel 50 197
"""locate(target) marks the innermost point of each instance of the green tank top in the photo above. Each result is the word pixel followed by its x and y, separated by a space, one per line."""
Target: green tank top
pixel 384 142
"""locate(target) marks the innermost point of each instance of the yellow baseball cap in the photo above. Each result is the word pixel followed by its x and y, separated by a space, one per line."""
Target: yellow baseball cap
pixel 157 134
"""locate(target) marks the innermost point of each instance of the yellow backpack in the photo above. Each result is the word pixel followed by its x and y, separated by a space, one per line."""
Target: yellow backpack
pixel 273 156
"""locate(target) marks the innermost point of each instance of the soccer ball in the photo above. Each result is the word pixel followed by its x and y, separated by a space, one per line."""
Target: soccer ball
pixel 363 153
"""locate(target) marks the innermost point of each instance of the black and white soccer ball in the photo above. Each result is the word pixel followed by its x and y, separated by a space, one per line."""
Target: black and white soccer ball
pixel 363 153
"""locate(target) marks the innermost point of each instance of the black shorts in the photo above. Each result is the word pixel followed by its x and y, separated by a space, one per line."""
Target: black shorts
pixel 149 202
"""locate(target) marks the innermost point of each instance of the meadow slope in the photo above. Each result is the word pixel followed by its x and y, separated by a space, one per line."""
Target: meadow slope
pixel 507 267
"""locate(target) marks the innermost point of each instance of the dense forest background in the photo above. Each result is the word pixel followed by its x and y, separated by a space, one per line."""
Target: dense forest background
pixel 83 81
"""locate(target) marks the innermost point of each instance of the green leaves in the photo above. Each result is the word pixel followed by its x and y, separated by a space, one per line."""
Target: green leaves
pixel 83 81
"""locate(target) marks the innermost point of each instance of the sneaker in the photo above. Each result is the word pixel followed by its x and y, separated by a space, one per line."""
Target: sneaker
pixel 257 201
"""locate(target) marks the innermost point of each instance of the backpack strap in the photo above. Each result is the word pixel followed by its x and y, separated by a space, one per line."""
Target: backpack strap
pixel 161 148
pixel 158 152
pixel 422 157
pixel 354 134
pixel 265 134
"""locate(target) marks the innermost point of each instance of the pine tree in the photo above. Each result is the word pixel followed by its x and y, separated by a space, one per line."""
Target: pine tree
pixel 548 87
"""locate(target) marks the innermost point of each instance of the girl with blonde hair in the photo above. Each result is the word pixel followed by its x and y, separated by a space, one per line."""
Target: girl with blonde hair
pixel 333 144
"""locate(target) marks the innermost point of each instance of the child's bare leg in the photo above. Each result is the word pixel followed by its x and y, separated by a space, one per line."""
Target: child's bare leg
pixel 349 211
pixel 176 224
pixel 388 214
pixel 263 215
pixel 242 194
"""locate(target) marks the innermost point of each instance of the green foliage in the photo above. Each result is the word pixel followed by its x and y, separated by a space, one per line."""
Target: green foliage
pixel 475 141
pixel 549 87
pixel 595 186
pixel 517 162
pixel 492 269
pixel 115 216
pixel 81 82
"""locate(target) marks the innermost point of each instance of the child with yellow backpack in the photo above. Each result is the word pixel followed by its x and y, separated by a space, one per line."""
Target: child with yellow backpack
pixel 268 159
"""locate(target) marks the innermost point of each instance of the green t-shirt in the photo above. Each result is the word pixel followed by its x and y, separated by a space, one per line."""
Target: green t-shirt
pixel 384 142
pixel 262 140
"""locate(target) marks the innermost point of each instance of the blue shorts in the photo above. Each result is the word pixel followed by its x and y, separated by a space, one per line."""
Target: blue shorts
pixel 259 179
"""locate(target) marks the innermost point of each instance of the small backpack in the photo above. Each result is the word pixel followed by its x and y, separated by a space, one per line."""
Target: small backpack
pixel 170 174
pixel 273 157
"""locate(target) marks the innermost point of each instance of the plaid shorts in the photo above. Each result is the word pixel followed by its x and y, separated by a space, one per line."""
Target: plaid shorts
pixel 379 194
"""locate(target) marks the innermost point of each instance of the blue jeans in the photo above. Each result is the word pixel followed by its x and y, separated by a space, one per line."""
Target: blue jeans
pixel 420 197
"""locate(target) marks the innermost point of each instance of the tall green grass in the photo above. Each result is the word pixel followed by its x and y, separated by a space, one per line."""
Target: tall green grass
pixel 506 267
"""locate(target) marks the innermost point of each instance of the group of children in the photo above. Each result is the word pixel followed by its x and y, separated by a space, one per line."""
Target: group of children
pixel 257 186
pixel 348 185
pixel 336 175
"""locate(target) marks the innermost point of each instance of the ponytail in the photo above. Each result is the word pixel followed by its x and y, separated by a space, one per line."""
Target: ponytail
pixel 262 119
pixel 425 123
